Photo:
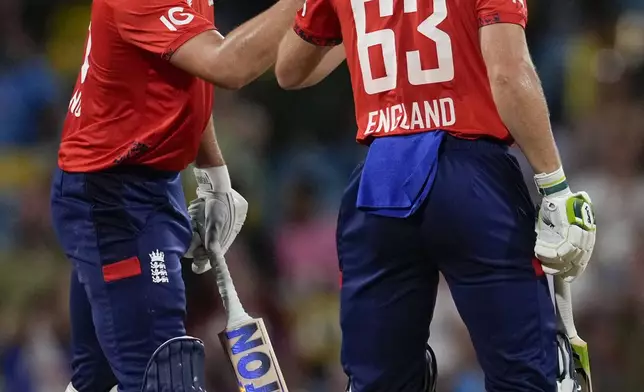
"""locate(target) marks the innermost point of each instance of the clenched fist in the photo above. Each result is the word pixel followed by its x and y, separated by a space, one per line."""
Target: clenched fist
pixel 217 215
pixel 565 227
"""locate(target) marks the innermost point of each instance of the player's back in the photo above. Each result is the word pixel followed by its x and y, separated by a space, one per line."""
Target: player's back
pixel 130 105
pixel 417 65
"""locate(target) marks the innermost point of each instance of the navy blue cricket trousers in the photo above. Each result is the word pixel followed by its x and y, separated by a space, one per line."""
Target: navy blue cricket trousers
pixel 476 227
pixel 124 230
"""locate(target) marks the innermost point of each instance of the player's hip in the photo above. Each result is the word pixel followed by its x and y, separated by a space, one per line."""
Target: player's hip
pixel 122 201
pixel 125 186
pixel 479 178
pixel 473 198
pixel 403 171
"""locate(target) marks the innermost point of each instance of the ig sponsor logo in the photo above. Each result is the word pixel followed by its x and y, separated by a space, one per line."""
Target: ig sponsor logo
pixel 176 17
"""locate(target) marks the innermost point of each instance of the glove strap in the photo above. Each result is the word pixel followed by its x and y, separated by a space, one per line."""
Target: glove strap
pixel 213 179
pixel 552 184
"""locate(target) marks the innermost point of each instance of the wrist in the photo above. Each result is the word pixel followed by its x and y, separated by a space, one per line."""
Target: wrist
pixel 213 179
pixel 552 184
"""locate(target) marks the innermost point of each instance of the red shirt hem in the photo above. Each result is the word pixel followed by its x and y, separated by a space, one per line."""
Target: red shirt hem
pixel 311 38
pixel 500 17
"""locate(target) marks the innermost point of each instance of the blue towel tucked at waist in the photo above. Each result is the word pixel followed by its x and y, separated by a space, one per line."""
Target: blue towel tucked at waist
pixel 398 174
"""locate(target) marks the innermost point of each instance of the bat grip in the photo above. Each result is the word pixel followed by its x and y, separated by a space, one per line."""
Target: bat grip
pixel 563 298
pixel 234 308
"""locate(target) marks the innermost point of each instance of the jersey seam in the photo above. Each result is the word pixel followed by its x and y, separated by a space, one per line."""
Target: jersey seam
pixel 92 205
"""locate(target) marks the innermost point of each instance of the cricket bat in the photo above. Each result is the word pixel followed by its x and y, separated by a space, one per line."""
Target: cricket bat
pixel 245 340
pixel 563 299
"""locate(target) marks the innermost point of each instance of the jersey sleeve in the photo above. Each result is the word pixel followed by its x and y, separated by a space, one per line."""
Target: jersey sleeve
pixel 158 26
pixel 317 23
pixel 502 11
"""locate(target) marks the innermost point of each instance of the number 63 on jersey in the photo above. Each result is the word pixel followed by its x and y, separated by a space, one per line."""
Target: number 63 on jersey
pixel 416 65
pixel 368 38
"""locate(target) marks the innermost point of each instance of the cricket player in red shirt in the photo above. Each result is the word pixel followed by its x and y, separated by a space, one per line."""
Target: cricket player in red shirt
pixel 441 89
pixel 140 113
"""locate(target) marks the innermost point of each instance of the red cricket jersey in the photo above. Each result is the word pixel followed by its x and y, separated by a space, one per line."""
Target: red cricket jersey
pixel 130 105
pixel 415 65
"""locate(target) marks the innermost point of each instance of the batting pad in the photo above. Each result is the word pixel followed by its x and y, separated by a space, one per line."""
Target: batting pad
pixel 177 366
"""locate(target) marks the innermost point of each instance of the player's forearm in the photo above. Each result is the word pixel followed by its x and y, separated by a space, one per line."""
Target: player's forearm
pixel 251 49
pixel 332 59
pixel 520 101
pixel 300 64
pixel 209 154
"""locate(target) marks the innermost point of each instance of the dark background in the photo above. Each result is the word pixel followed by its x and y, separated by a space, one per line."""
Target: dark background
pixel 290 154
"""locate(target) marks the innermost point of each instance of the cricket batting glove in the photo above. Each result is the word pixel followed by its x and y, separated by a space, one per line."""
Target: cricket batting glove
pixel 565 227
pixel 217 216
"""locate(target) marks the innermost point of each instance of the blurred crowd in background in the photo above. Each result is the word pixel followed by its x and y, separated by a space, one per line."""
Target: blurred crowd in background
pixel 290 155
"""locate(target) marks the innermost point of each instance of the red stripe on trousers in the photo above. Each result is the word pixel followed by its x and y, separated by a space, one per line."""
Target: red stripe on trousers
pixel 122 269
pixel 536 264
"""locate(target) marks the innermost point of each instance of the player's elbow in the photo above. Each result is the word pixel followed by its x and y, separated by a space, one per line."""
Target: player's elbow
pixel 225 75
pixel 511 73
pixel 288 83
pixel 229 78
pixel 288 78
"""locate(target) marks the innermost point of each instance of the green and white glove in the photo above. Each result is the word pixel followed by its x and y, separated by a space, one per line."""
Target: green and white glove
pixel 565 227
pixel 217 215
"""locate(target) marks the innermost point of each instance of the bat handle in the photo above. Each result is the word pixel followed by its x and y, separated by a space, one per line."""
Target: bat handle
pixel 234 308
pixel 563 298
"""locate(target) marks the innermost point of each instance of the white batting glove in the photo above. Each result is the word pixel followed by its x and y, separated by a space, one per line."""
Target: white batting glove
pixel 565 227
pixel 217 215
pixel 197 252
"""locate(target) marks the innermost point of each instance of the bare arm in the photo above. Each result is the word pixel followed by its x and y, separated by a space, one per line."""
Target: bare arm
pixel 518 94
pixel 331 60
pixel 301 64
pixel 209 154
pixel 244 55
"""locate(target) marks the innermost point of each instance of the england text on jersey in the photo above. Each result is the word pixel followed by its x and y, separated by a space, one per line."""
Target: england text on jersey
pixel 406 118
pixel 415 65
